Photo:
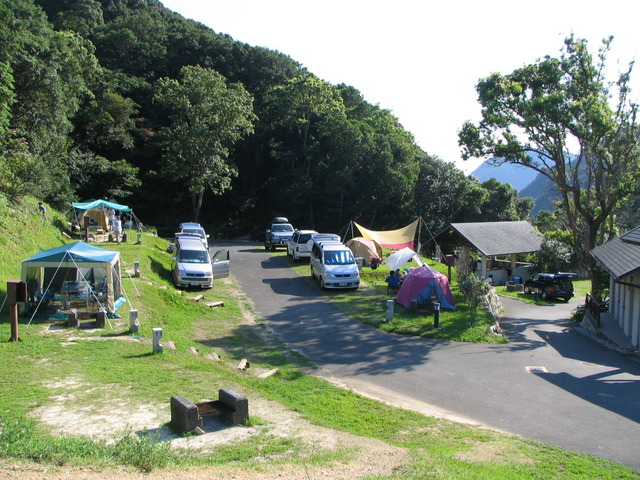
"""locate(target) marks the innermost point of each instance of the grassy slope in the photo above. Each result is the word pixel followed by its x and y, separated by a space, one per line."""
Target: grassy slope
pixel 439 449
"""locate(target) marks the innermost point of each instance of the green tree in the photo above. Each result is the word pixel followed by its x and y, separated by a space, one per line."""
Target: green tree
pixel 52 72
pixel 21 173
pixel 552 107
pixel 207 116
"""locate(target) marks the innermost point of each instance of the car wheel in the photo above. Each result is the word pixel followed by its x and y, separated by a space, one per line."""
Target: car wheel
pixel 527 290
pixel 567 300
pixel 545 295
pixel 313 275
pixel 322 285
pixel 294 256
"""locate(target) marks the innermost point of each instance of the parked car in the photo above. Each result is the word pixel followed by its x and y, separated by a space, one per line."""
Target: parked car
pixel 297 246
pixel 191 265
pixel 278 233
pixel 195 229
pixel 551 285
pixel 333 264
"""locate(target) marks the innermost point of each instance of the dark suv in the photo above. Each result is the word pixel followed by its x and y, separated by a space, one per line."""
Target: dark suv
pixel 278 233
pixel 551 285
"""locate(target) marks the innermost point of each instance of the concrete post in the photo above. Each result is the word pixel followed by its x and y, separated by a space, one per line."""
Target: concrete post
pixel 157 335
pixel 389 310
pixel 73 318
pixel 133 321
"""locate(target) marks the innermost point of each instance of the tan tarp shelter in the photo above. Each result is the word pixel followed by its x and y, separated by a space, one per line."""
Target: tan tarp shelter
pixel 400 238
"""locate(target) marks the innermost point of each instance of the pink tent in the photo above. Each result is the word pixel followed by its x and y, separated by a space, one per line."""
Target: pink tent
pixel 421 284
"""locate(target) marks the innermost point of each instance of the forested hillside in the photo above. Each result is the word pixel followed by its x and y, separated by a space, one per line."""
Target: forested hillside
pixel 126 100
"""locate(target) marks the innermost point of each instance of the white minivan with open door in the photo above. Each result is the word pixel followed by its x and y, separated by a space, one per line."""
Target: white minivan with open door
pixel 191 265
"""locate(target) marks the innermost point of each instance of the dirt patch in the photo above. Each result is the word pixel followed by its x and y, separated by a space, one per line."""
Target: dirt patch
pixel 363 457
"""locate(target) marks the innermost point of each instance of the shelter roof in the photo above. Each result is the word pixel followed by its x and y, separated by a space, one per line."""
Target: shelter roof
pixel 78 252
pixel 100 203
pixel 492 238
pixel 620 256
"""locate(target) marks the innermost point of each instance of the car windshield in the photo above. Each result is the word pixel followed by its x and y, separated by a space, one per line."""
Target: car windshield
pixel 194 231
pixel 304 237
pixel 343 257
pixel 193 256
pixel 281 227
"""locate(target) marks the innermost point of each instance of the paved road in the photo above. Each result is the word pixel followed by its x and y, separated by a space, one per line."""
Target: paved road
pixel 588 401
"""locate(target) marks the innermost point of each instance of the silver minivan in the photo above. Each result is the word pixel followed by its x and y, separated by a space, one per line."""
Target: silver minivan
pixel 192 265
pixel 333 265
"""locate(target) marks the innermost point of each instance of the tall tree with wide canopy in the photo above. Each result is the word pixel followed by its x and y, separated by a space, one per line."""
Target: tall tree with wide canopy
pixel 207 116
pixel 557 106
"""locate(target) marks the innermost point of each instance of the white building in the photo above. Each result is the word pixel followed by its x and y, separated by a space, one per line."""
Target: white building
pixel 620 257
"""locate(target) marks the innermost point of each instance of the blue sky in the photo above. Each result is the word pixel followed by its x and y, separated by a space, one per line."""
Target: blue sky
pixel 420 59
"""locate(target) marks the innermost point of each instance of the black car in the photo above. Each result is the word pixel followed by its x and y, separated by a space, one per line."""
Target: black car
pixel 551 285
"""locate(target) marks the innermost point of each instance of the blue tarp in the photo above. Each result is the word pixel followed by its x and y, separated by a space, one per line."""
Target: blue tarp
pixel 100 204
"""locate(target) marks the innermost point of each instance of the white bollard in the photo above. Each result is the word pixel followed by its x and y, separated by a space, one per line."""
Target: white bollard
pixel 136 269
pixel 133 321
pixel 389 310
pixel 157 335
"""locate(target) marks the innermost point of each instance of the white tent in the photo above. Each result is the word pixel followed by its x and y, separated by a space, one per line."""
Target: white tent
pixel 399 258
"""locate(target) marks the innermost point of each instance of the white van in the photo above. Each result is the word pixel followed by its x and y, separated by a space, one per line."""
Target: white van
pixel 192 266
pixel 333 264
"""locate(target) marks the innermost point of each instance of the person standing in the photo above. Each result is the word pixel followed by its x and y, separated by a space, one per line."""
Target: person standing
pixel 117 229
pixel 43 210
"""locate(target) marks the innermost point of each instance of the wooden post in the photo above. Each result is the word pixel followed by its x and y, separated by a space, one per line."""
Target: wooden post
pixel 16 292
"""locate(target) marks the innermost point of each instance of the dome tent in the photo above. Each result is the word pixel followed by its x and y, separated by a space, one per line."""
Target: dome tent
pixel 365 248
pixel 421 284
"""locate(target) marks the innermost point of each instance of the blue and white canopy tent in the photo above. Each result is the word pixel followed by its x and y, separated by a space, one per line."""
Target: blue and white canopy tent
pixel 74 268
pixel 98 211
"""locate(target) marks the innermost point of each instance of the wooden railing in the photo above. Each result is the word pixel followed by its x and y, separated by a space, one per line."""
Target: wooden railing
pixel 592 307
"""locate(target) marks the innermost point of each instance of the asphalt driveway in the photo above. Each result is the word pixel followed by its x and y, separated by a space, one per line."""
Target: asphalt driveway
pixel 550 384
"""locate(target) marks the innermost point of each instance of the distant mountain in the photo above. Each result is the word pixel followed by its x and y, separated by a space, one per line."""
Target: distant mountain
pixel 517 175
pixel 526 181
pixel 543 192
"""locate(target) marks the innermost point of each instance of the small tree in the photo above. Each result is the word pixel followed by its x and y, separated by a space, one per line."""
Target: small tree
pixel 474 290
